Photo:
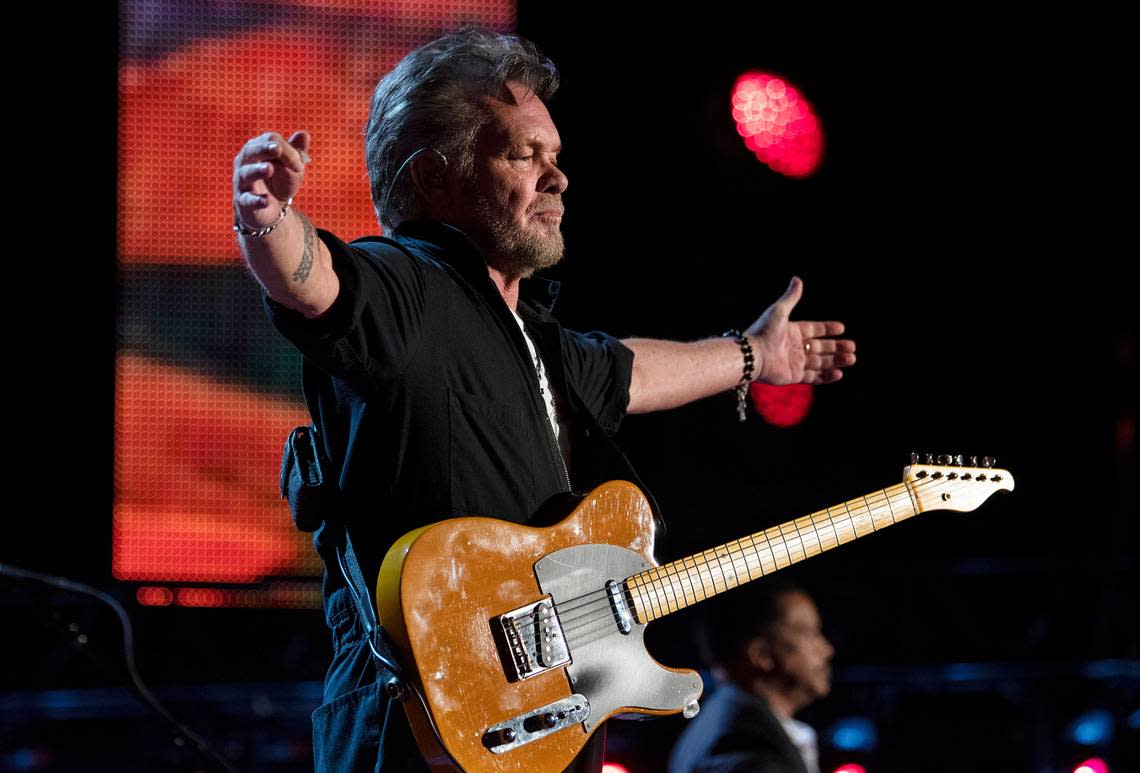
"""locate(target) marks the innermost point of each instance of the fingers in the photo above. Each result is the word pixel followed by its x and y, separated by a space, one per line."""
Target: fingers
pixel 828 362
pixel 249 200
pixel 272 147
pixel 247 174
pixel 820 329
pixel 823 376
pixel 829 345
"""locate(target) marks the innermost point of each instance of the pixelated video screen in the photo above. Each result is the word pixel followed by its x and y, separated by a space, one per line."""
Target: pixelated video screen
pixel 206 390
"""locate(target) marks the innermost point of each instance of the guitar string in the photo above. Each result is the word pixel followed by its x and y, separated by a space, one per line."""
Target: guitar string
pixel 578 640
pixel 656 598
pixel 653 597
pixel 736 550
pixel 670 575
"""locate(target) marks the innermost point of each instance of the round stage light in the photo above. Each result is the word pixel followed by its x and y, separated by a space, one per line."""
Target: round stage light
pixel 777 123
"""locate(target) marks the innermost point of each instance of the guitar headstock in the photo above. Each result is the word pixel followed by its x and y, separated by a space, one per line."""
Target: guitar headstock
pixel 953 482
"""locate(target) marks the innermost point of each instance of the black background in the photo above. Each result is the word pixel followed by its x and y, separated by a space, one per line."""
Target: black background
pixel 969 224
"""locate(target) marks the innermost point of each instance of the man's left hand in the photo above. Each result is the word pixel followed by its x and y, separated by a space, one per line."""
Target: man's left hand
pixel 798 352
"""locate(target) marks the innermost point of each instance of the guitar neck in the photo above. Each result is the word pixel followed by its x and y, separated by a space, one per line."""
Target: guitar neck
pixel 661 590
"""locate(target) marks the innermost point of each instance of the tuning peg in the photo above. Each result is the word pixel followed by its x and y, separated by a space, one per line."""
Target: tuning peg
pixel 913 458
pixel 944 459
pixel 973 461
pixel 930 458
pixel 988 461
pixel 958 460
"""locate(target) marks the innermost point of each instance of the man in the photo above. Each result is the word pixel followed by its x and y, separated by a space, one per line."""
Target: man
pixel 439 381
pixel 772 660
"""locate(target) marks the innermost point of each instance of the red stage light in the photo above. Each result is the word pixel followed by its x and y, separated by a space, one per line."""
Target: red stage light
pixel 850 767
pixel 613 767
pixel 777 123
pixel 1093 765
pixel 783 406
pixel 150 596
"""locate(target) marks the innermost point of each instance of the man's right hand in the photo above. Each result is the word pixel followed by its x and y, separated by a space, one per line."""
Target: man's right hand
pixel 291 262
pixel 268 171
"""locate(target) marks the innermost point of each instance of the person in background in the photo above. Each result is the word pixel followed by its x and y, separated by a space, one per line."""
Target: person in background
pixel 771 659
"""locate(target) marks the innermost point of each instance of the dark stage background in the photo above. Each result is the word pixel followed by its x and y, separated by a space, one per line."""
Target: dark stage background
pixel 966 226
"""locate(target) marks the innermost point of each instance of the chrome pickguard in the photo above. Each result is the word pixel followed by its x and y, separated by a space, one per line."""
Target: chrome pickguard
pixel 608 660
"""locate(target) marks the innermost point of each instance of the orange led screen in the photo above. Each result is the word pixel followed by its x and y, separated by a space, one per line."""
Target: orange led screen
pixel 206 390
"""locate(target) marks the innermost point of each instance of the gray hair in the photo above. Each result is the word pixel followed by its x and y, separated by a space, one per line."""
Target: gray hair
pixel 433 99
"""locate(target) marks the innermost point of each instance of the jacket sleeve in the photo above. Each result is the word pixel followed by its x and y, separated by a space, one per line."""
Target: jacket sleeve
pixel 599 367
pixel 373 325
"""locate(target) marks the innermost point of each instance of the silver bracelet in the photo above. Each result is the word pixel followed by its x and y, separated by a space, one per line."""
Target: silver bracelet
pixel 257 233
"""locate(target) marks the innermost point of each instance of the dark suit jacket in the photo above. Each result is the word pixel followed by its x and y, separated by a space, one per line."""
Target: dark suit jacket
pixel 735 732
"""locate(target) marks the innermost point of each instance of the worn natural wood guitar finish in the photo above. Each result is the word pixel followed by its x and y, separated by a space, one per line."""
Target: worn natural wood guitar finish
pixel 522 640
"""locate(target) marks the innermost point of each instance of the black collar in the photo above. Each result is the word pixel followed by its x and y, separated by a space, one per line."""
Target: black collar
pixel 452 246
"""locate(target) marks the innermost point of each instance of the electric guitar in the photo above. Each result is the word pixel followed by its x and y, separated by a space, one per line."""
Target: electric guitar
pixel 518 642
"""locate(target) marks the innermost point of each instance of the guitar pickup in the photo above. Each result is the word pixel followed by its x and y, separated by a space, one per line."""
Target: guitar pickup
pixel 532 640
pixel 524 728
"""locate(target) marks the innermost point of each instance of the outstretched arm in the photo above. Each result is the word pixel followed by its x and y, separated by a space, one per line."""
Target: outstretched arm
pixel 292 264
pixel 668 374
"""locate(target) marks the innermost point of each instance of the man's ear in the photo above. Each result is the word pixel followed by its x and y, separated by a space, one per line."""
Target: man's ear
pixel 430 180
pixel 759 654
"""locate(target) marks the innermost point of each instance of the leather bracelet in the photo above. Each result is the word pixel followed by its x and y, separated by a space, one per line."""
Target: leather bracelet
pixel 748 372
pixel 257 233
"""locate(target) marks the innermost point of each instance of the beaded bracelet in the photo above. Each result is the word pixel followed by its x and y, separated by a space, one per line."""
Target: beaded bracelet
pixel 749 369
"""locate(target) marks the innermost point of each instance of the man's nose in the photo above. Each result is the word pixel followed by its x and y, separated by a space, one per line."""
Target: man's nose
pixel 553 180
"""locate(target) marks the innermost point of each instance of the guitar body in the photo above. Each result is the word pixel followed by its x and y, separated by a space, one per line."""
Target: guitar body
pixel 506 695
pixel 521 641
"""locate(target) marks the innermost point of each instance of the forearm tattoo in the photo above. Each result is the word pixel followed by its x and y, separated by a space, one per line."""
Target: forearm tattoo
pixel 303 270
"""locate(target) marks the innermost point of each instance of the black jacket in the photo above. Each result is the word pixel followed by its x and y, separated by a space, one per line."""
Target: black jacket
pixel 425 395
pixel 735 732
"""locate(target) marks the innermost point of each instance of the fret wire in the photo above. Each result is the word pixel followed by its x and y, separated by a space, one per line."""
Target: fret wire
pixel 732 566
pixel 771 552
pixel 817 526
pixel 831 525
pixel 654 599
pixel 890 509
pixel 662 590
pixel 720 568
pixel 839 540
pixel 813 534
pixel 913 501
pixel 799 543
pixel 712 578
pixel 800 536
pixel 688 576
pixel 689 572
pixel 737 552
pixel 646 599
pixel 759 556
pixel 655 583
pixel 663 587
pixel 769 536
pixel 634 584
pixel 670 574
pixel 744 554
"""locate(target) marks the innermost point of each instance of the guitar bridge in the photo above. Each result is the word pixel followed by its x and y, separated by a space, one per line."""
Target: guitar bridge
pixel 533 640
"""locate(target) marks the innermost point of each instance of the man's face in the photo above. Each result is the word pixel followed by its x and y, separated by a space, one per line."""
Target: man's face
pixel 515 196
pixel 801 654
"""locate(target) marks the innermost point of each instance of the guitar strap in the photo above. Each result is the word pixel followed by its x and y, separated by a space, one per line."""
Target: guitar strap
pixel 314 498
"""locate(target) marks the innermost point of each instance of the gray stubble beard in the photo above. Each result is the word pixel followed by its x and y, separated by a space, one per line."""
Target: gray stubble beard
pixel 513 251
